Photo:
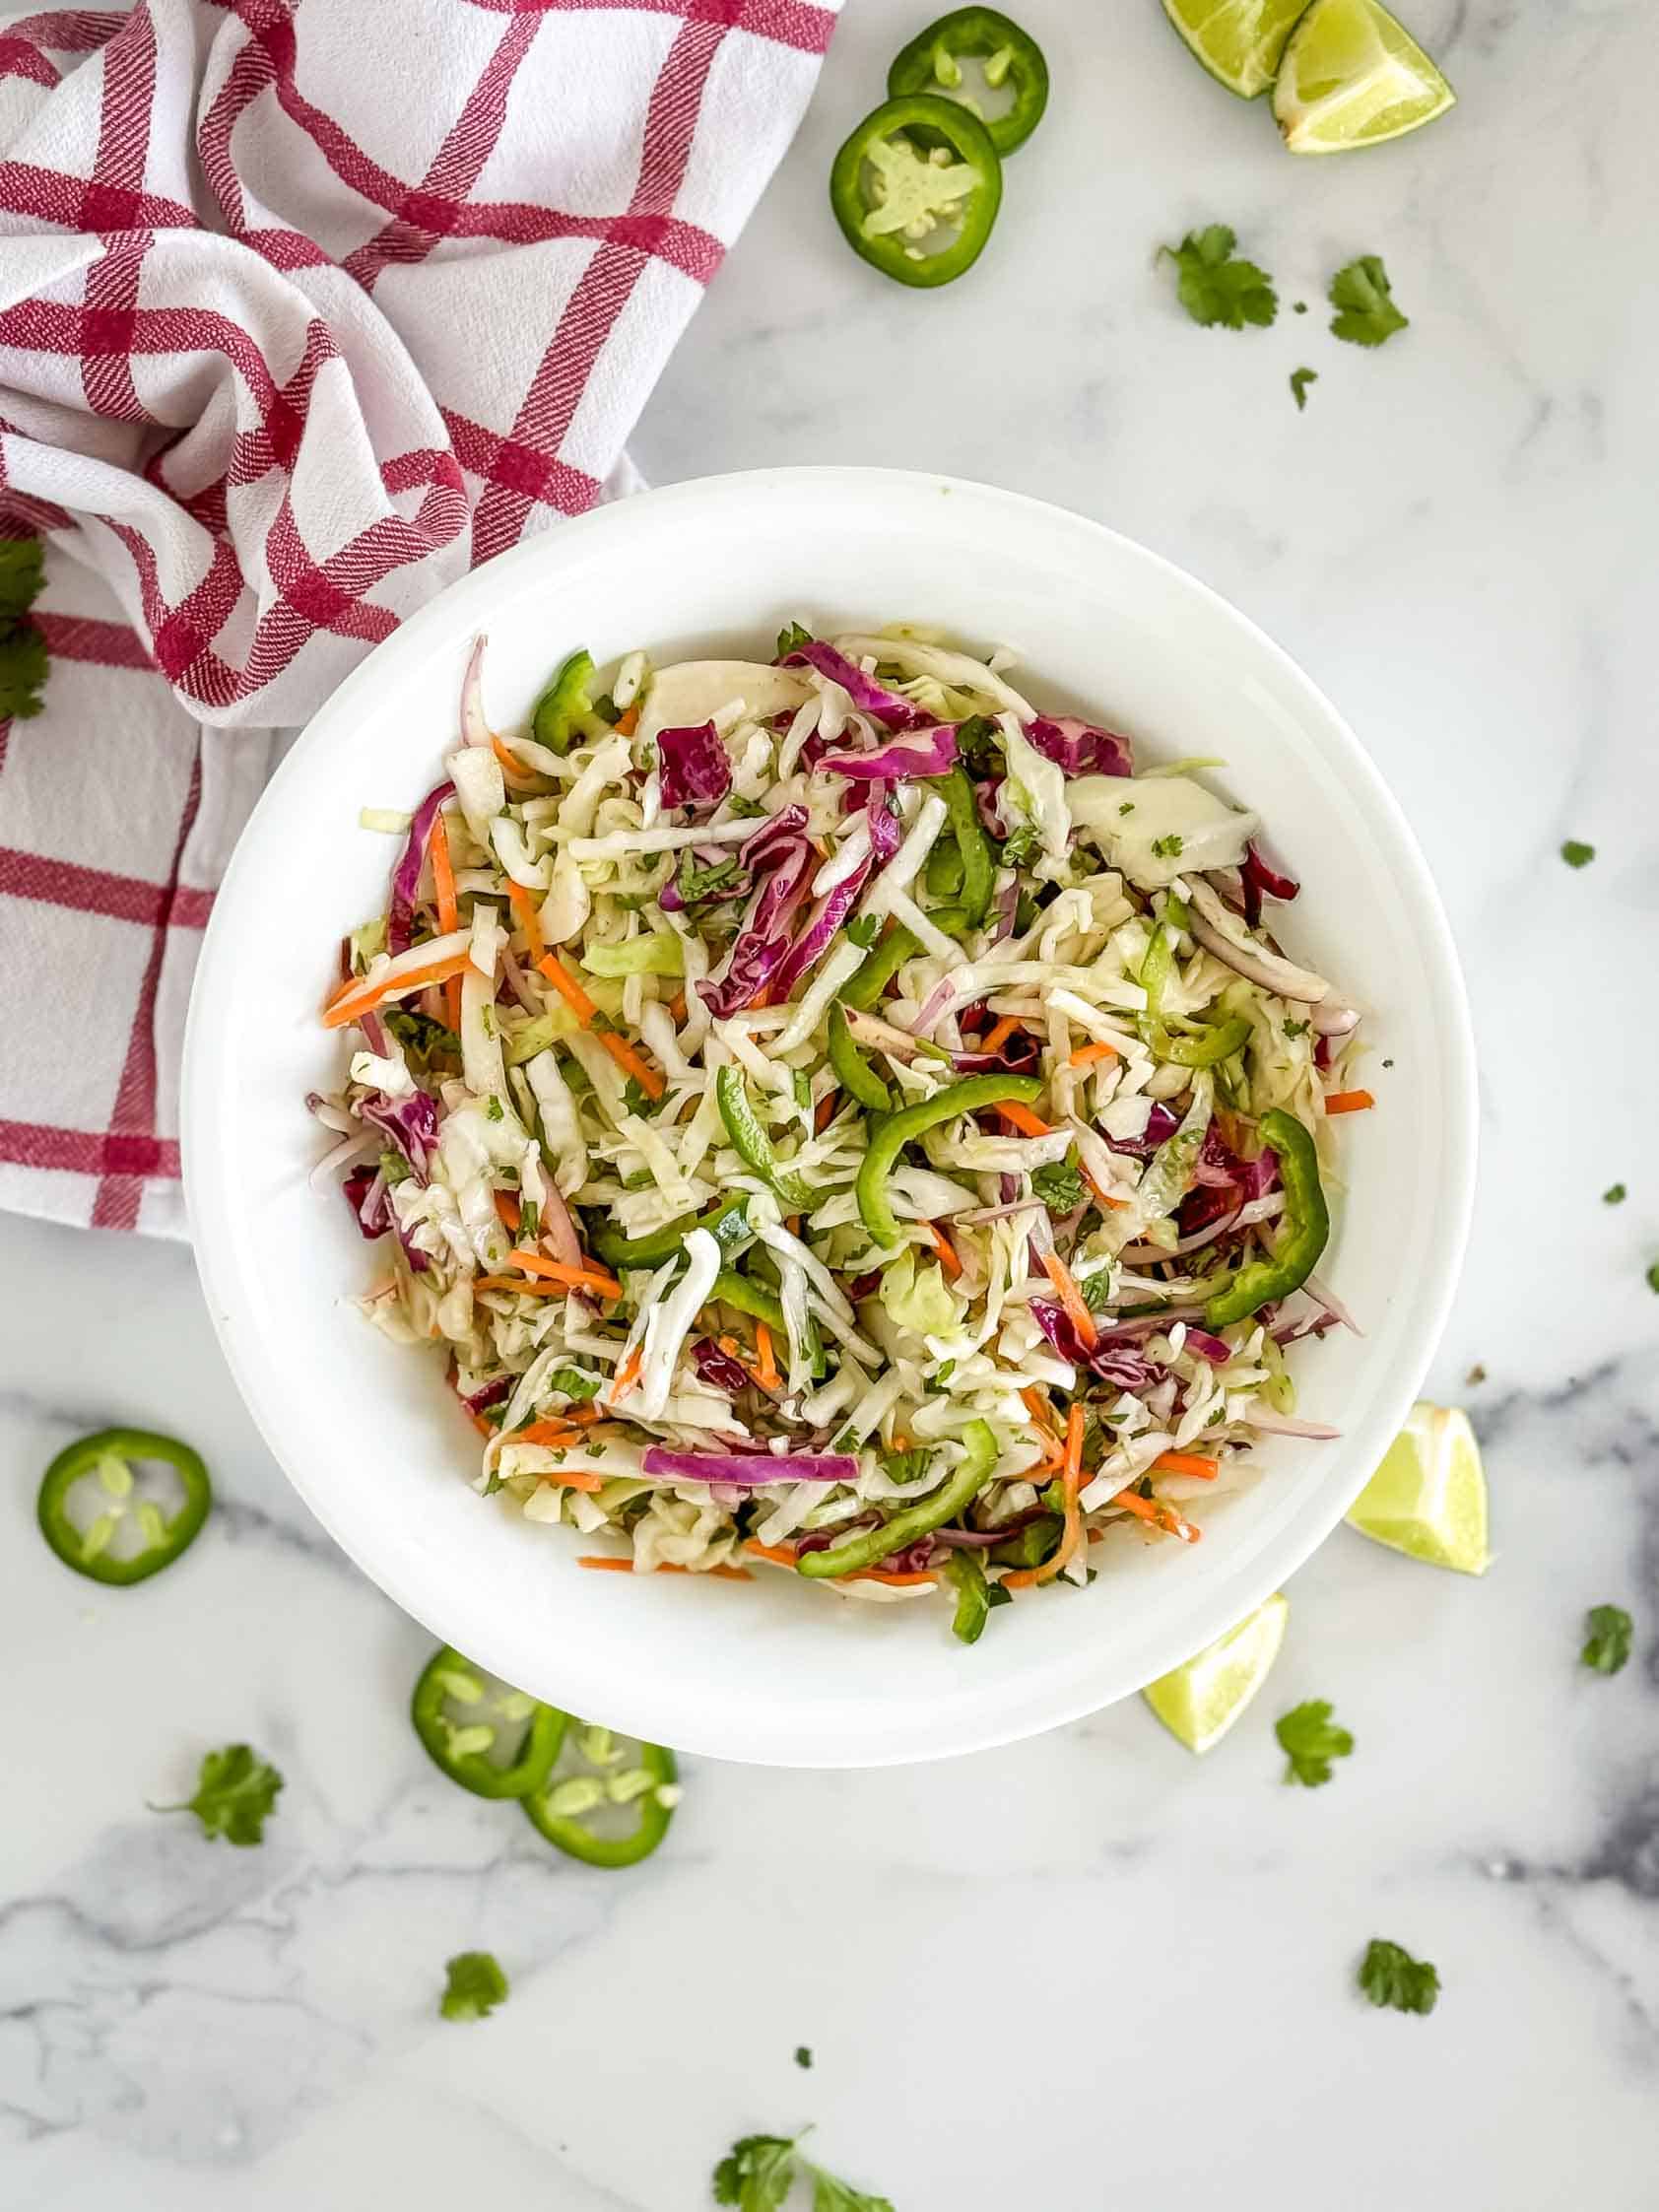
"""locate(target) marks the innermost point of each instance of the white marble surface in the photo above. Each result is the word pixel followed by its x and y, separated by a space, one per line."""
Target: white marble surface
pixel 1089 1972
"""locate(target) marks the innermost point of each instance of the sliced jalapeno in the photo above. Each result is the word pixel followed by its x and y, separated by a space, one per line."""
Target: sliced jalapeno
pixel 100 1543
pixel 609 1799
pixel 1008 55
pixel 893 197
pixel 494 1740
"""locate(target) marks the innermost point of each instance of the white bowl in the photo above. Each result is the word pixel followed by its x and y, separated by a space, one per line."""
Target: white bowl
pixel 367 1432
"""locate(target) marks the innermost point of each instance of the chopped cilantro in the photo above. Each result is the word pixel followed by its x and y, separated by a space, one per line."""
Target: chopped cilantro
pixel 745 809
pixel 1390 1975
pixel 24 659
pixel 493 1108
pixel 572 1382
pixel 1167 849
pixel 1296 1028
pixel 1614 1194
pixel 863 930
pixel 1365 303
pixel 394 1168
pixel 476 1985
pixel 803 2055
pixel 1216 289
pixel 419 1035
pixel 1060 1184
pixel 235 1794
pixel 1653 1277
pixel 1300 378
pixel 1096 1288
pixel 801 1084
pixel 1021 847
pixel 1578 855
pixel 758 2173
pixel 791 640
pixel 1128 807
pixel 1607 1646
pixel 1309 1740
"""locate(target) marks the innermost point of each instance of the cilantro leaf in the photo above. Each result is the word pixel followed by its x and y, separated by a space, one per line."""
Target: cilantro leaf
pixel 746 810
pixel 23 665
pixel 1365 303
pixel 1167 849
pixel 1021 847
pixel 803 2055
pixel 572 1382
pixel 1310 1741
pixel 235 1794
pixel 1606 1647
pixel 1653 1277
pixel 1614 1194
pixel 1060 1184
pixel 696 883
pixel 863 930
pixel 1300 378
pixel 419 1035
pixel 906 1466
pixel 22 574
pixel 791 640
pixel 1216 289
pixel 1096 1288
pixel 475 1988
pixel 831 2195
pixel 756 2174
pixel 1578 855
pixel 1390 1975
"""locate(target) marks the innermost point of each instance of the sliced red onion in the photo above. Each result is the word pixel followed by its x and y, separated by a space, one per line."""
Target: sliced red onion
pixel 1079 747
pixel 559 1230
pixel 475 730
pixel 1333 1020
pixel 1324 1294
pixel 1001 1213
pixel 406 876
pixel 749 1471
pixel 1261 877
pixel 1206 1347
pixel 492 1395
pixel 869 696
pixel 1213 927
pixel 1282 1425
pixel 365 1195
pixel 694 768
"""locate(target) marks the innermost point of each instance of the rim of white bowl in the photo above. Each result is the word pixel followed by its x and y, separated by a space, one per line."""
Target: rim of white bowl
pixel 986 1721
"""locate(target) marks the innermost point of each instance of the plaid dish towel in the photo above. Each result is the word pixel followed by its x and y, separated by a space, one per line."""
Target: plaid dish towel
pixel 305 308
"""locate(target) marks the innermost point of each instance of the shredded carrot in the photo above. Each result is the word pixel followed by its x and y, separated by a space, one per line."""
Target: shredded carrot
pixel 1159 1514
pixel 792 1222
pixel 629 721
pixel 554 1430
pixel 1035 1404
pixel 359 997
pixel 518 1285
pixel 626 1374
pixel 1022 1117
pixel 506 1210
pixel 578 1478
pixel 766 1367
pixel 560 976
pixel 1071 1480
pixel 663 1567
pixel 573 1278
pixel 677 1006
pixel 628 1060
pixel 826 1112
pixel 448 911
pixel 1186 1463
pixel 784 1555
pixel 1104 1197
pixel 528 919
pixel 1086 1055
pixel 1071 1298
pixel 1348 1102
pixel 512 766
pixel 947 1251
pixel 996 1038
pixel 781 1555
pixel 479 1423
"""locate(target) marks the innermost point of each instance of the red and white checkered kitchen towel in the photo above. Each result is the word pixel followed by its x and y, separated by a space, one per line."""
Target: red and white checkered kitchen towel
pixel 306 307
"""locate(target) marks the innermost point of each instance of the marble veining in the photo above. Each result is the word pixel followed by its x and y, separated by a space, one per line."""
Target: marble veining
pixel 1085 1972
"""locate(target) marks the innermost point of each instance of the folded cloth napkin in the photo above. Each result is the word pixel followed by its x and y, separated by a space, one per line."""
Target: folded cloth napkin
pixel 305 308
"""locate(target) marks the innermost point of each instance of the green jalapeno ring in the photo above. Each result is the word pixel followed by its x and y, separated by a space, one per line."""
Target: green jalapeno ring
pixel 915 190
pixel 533 1759
pixel 103 1454
pixel 929 65
pixel 1305 1229
pixel 568 1831
pixel 886 1144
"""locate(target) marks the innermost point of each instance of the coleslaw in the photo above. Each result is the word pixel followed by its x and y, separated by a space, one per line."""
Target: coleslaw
pixel 829 1114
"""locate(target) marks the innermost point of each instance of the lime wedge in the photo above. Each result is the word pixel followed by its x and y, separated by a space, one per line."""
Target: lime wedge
pixel 1350 75
pixel 1198 1702
pixel 1428 1497
pixel 1238 41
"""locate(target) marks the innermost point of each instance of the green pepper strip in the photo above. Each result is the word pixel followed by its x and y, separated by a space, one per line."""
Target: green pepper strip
pixel 447 1674
pixel 975 1595
pixel 1030 1544
pixel 1305 1231
pixel 911 1122
pixel 566 710
pixel 905 189
pixel 978 869
pixel 86 1550
pixel 753 1145
pixel 930 61
pixel 853 1072
pixel 1205 1046
pixel 738 1292
pixel 872 1545
pixel 727 1223
pixel 570 1833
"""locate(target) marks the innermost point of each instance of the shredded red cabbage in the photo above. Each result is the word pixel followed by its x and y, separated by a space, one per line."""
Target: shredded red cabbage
pixel 927 752
pixel 1223 1183
pixel 1162 1124
pixel 718 1368
pixel 1260 878
pixel 1113 1360
pixel 411 1123
pixel 869 696
pixel 492 1395
pixel 1079 747
pixel 694 768
pixel 749 1471
pixel 783 849
pixel 365 1194
pixel 406 877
